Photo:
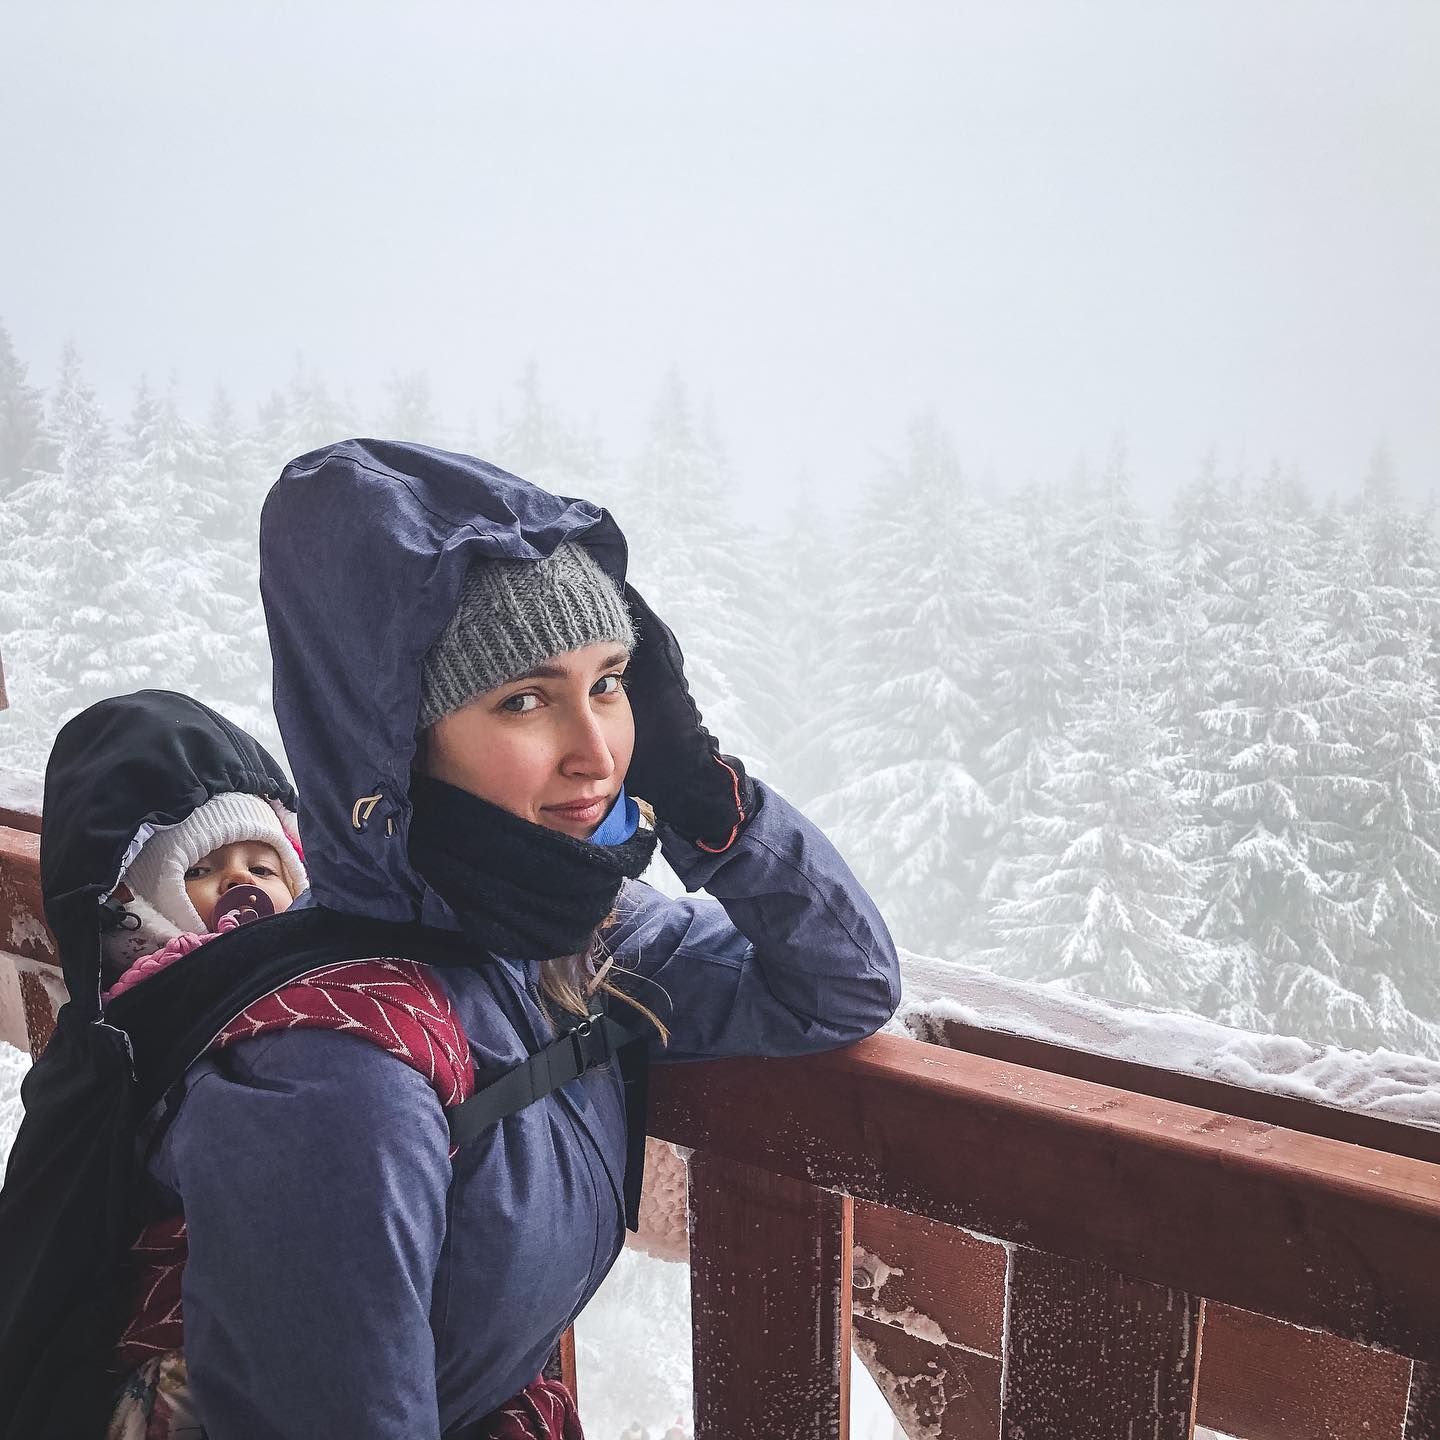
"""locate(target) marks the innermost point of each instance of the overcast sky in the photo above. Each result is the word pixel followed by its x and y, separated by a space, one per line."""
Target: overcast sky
pixel 1192 222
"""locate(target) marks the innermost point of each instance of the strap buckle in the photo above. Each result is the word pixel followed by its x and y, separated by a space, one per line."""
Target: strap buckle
pixel 589 1042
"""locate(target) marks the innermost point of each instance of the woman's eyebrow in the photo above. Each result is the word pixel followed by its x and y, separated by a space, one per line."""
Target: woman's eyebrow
pixel 540 672
pixel 559 672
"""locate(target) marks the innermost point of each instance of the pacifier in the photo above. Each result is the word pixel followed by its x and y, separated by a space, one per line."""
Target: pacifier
pixel 245 903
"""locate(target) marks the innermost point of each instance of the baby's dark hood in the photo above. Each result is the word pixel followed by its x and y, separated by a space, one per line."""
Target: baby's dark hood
pixel 363 549
pixel 119 771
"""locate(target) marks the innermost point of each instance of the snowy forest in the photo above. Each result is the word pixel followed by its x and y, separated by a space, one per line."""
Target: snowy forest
pixel 1185 759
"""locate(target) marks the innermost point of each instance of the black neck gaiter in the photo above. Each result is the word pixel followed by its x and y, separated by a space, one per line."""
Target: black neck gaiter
pixel 518 889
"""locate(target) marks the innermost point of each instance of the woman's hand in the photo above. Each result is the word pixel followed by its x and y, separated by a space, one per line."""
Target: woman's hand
pixel 677 766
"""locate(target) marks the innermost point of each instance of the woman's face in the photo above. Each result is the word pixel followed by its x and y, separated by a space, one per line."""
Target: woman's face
pixel 552 746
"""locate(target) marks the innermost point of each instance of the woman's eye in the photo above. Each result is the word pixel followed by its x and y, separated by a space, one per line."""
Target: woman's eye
pixel 520 704
pixel 609 685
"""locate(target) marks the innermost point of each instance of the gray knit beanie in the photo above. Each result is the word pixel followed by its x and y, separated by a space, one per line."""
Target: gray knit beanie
pixel 513 615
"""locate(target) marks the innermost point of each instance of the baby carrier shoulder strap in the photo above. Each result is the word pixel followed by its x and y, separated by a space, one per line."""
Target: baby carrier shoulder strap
pixel 176 1013
pixel 596 1039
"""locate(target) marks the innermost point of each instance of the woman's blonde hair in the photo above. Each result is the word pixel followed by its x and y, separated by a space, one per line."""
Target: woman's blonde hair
pixel 570 981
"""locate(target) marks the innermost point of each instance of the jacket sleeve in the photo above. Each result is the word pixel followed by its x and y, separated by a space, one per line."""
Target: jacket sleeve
pixel 313 1171
pixel 788 955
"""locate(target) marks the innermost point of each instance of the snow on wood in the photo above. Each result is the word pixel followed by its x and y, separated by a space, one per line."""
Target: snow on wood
pixel 21 790
pixel 917 1280
pixel 1382 1082
pixel 770 1299
pixel 21 793
pixel 933 1281
pixel 1261 1377
pixel 1087 1349
pixel 936 1392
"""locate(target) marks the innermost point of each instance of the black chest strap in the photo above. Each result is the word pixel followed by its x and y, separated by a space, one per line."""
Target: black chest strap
pixel 595 1040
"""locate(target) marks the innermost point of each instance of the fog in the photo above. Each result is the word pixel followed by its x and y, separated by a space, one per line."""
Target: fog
pixel 1191 225
pixel 1049 729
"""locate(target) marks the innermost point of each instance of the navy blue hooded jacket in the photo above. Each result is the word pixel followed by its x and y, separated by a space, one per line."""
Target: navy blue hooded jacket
pixel 343 1277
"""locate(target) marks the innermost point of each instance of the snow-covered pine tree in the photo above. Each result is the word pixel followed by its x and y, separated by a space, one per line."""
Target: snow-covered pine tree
pixel 1271 776
pixel 905 806
pixel 1092 886
pixel 302 417
pixel 234 483
pixel 202 642
pixel 1031 681
pixel 1398 878
pixel 27 449
pixel 83 608
pixel 26 444
pixel 1108 575
pixel 409 412
pixel 704 574
pixel 1383 597
pixel 1206 536
pixel 1107 895
pixel 537 443
pixel 802 564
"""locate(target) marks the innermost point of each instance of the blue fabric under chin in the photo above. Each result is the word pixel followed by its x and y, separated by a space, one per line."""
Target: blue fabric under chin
pixel 620 824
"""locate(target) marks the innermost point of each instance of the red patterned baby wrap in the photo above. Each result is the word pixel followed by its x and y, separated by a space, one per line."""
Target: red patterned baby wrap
pixel 392 1003
pixel 397 1005
pixel 543 1410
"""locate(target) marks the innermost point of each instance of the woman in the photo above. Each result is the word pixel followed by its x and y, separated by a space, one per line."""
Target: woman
pixel 464 699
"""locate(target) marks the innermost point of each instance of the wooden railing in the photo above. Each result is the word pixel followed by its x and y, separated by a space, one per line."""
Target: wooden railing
pixel 1020 1241
pixel 1133 1236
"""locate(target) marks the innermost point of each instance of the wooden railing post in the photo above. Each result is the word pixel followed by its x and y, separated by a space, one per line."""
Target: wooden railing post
pixel 1091 1352
pixel 770 1266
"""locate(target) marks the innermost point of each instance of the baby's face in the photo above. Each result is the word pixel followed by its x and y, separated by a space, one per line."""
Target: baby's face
pixel 247 862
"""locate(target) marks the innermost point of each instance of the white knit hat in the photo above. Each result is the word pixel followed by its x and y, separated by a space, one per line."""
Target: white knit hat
pixel 156 875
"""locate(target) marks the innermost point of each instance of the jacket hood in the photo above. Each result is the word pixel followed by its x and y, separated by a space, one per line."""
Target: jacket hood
pixel 363 549
pixel 118 772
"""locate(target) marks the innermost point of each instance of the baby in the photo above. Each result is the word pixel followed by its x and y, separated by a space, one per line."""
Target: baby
pixel 212 879
pixel 235 858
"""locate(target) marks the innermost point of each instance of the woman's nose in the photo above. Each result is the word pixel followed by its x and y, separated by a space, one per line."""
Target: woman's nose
pixel 588 755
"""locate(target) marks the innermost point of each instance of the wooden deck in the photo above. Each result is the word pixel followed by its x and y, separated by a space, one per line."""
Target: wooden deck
pixel 1022 1242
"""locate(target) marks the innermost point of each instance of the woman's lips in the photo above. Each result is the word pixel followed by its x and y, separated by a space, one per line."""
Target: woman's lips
pixel 584 812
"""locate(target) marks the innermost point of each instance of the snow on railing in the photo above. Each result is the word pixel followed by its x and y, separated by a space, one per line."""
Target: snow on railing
pixel 946 998
pixel 20 798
